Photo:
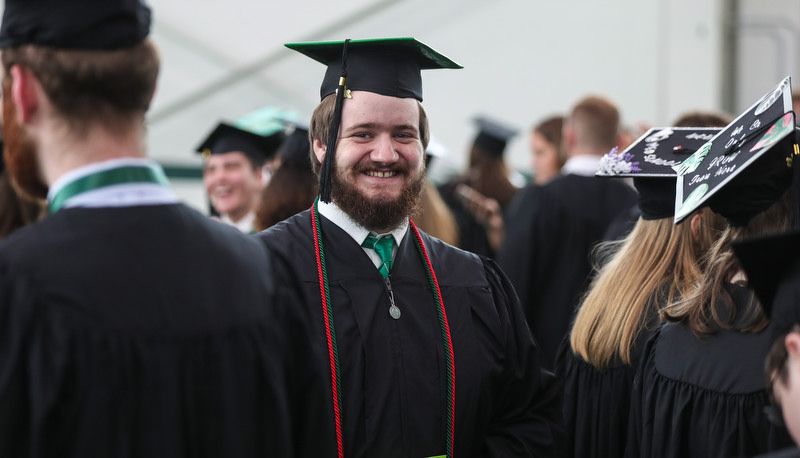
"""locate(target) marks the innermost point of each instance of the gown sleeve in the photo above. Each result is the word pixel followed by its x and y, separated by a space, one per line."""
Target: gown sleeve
pixel 17 301
pixel 526 418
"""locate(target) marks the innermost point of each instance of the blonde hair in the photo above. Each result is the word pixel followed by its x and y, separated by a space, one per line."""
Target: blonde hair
pixel 436 218
pixel 614 310
pixel 699 307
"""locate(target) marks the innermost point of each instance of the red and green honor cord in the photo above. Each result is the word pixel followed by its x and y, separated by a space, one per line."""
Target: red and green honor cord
pixel 330 331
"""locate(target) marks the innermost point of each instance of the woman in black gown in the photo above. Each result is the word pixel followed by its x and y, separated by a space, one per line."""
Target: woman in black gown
pixel 656 263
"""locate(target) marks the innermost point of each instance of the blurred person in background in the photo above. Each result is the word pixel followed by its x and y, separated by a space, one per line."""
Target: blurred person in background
pixel 486 177
pixel 551 229
pixel 233 172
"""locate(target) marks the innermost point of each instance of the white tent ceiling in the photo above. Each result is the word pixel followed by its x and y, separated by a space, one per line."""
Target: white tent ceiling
pixel 524 60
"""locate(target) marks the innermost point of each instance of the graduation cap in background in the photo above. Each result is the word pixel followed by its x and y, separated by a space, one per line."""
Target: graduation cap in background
pixel 493 136
pixel 257 134
pixel 226 138
pixel 296 148
pixel 75 24
pixel 650 161
pixel 767 261
pixel 386 66
pixel 746 167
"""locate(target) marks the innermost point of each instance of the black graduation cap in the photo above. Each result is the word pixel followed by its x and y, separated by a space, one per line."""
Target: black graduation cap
pixel 385 66
pixel 493 135
pixel 75 24
pixel 746 167
pixel 296 148
pixel 650 161
pixel 767 261
pixel 226 138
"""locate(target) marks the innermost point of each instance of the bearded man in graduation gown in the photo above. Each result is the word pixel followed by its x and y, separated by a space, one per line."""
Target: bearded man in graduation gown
pixel 130 324
pixel 421 349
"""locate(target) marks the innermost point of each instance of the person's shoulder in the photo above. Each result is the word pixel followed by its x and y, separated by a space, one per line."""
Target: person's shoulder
pixel 30 242
pixel 288 229
pixel 452 265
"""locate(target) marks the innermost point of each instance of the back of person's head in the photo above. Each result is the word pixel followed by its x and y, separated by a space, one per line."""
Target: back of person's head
pixel 699 309
pixel 654 264
pixel 92 59
pixel 594 123
pixel 703 119
pixel 88 87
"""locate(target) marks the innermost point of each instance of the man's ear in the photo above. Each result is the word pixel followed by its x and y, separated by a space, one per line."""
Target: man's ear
pixel 793 344
pixel 25 92
pixel 319 150
pixel 568 138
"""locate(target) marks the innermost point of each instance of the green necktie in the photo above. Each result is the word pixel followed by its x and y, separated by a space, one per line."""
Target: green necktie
pixel 382 246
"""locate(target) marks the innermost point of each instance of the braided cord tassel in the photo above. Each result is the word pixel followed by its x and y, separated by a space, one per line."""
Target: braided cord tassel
pixel 330 330
pixel 446 338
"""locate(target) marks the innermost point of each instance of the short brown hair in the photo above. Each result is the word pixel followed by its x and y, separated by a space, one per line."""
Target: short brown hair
pixel 703 119
pixel 595 121
pixel 85 87
pixel 320 127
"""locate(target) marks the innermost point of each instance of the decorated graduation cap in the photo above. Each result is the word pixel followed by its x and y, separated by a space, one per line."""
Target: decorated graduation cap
pixel 296 148
pixel 768 261
pixel 386 66
pixel 492 136
pixel 650 161
pixel 747 166
pixel 226 138
pixel 75 24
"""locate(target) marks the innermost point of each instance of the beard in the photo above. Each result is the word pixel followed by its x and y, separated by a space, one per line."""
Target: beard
pixel 376 214
pixel 19 152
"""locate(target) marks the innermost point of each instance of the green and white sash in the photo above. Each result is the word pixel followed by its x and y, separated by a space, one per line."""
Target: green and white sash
pixel 123 182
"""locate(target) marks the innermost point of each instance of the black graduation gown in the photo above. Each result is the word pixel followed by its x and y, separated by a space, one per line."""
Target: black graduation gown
pixel 596 402
pixel 472 235
pixel 703 398
pixel 138 332
pixel 393 371
pixel 786 303
pixel 550 232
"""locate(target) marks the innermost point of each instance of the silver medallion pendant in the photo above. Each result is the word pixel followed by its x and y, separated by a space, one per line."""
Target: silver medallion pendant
pixel 394 312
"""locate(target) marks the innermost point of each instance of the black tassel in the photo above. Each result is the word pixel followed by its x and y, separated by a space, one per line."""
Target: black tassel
pixel 794 158
pixel 330 150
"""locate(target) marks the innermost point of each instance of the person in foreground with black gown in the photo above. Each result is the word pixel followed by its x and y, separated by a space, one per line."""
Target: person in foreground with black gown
pixel 653 265
pixel 421 349
pixel 131 325
pixel 700 390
